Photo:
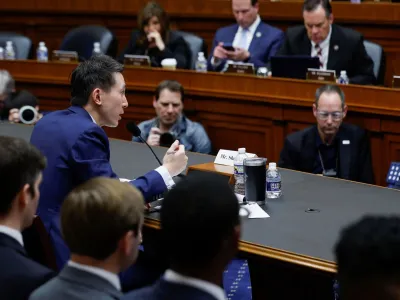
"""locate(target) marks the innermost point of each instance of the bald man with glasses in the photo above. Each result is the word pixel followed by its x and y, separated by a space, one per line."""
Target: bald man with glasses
pixel 330 147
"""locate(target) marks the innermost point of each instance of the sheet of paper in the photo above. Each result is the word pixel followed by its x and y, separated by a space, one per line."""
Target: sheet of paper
pixel 256 212
pixel 125 180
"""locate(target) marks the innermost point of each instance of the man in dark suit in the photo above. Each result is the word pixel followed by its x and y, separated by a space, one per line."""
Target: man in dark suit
pixel 338 48
pixel 367 255
pixel 200 224
pixel 253 41
pixel 21 167
pixel 102 225
pixel 77 148
pixel 330 147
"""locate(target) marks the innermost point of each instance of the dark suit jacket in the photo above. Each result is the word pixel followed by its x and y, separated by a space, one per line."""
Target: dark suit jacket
pixel 75 284
pixel 19 275
pixel 346 52
pixel 266 41
pixel 164 290
pixel 176 47
pixel 300 152
pixel 77 150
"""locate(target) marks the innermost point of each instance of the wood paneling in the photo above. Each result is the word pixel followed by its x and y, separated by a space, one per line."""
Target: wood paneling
pixel 50 20
pixel 236 110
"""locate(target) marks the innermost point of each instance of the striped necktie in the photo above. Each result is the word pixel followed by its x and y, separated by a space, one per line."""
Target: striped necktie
pixel 318 49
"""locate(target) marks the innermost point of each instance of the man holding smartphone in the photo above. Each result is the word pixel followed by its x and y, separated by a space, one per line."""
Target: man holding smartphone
pixel 250 40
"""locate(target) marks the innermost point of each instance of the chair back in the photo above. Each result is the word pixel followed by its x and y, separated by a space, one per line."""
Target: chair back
pixel 38 245
pixel 196 44
pixel 81 40
pixel 22 44
pixel 376 53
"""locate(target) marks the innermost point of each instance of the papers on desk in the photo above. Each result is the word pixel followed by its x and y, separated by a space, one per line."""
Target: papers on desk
pixel 125 180
pixel 254 211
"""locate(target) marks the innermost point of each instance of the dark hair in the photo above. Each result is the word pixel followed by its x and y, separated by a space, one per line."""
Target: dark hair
pixel 329 88
pixel 97 72
pixel 197 215
pixel 20 163
pixel 153 9
pixel 254 2
pixel 311 5
pixel 172 86
pixel 96 215
pixel 367 255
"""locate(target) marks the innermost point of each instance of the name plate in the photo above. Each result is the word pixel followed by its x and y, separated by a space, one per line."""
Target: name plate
pixel 65 56
pixel 240 68
pixel 396 82
pixel 226 157
pixel 137 60
pixel 321 75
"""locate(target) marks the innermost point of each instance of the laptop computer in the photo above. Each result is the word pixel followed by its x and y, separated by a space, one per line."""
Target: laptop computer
pixel 293 66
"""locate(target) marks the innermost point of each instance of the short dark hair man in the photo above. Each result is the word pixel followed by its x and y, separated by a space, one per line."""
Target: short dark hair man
pixel 201 226
pixel 21 166
pixel 338 48
pixel 77 148
pixel 171 124
pixel 101 223
pixel 330 147
pixel 367 254
pixel 253 41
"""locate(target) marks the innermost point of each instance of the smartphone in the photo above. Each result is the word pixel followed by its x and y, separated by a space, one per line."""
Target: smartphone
pixel 228 47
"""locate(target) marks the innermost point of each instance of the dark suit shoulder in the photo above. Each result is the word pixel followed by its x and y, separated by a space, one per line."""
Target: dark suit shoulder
pixel 296 32
pixel 348 33
pixel 296 138
pixel 271 30
pixel 352 130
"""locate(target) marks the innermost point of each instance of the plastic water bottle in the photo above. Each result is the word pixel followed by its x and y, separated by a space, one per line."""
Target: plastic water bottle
pixel 1 53
pixel 201 63
pixel 343 79
pixel 96 49
pixel 42 54
pixel 273 182
pixel 10 52
pixel 238 171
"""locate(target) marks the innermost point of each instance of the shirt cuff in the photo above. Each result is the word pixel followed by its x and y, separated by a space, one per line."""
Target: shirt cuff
pixel 165 176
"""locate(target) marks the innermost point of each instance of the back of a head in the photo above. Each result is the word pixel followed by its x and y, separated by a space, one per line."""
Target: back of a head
pixel 368 259
pixel 198 216
pixel 20 163
pixel 96 72
pixel 96 215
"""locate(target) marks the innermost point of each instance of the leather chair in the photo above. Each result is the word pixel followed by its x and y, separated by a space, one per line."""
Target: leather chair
pixel 377 55
pixel 196 45
pixel 38 245
pixel 81 40
pixel 22 44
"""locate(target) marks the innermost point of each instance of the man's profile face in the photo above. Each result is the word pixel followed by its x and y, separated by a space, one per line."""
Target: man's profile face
pixel 317 24
pixel 168 107
pixel 245 13
pixel 329 113
pixel 113 102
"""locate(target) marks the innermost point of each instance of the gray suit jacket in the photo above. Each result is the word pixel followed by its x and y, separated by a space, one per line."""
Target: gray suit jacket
pixel 75 284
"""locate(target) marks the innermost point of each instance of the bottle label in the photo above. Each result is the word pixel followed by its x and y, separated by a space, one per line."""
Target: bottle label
pixel 274 186
pixel 42 55
pixel 238 169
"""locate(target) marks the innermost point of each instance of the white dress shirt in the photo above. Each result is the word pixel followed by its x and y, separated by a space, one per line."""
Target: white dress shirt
pixel 324 45
pixel 11 232
pixel 250 33
pixel 216 291
pixel 169 182
pixel 109 276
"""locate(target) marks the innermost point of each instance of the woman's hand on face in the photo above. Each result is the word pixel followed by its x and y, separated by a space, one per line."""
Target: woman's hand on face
pixel 155 37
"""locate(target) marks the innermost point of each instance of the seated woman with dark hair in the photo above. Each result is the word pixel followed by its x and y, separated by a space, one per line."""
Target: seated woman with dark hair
pixel 155 39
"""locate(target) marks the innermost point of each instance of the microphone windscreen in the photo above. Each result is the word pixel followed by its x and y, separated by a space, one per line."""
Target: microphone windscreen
pixel 132 128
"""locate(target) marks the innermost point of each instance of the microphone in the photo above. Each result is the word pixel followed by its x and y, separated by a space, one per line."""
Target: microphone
pixel 132 128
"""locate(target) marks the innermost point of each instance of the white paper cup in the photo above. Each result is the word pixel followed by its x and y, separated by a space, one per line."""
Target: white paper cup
pixel 169 63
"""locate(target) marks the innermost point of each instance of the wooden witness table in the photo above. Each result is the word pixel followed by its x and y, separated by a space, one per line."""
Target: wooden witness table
pixel 235 110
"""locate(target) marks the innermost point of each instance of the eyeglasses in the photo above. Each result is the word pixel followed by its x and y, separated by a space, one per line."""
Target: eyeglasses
pixel 324 115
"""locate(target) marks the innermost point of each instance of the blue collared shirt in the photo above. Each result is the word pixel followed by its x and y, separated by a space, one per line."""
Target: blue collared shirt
pixel 190 134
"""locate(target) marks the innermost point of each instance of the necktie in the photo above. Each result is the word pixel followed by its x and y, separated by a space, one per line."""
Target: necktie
pixel 318 49
pixel 242 43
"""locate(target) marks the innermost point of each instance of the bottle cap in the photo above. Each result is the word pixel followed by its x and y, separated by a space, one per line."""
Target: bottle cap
pixel 272 166
pixel 242 150
pixel 96 45
pixel 41 44
pixel 9 43
pixel 201 54
pixel 343 73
